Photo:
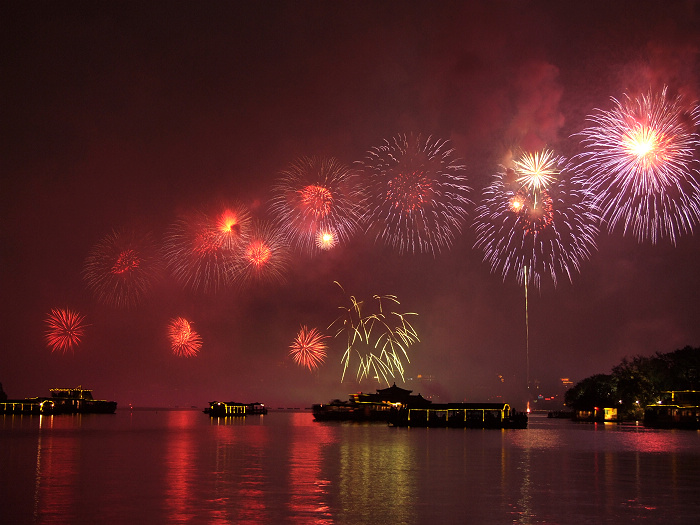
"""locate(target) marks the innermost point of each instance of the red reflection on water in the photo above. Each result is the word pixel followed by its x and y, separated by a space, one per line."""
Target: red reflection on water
pixel 309 494
pixel 56 471
pixel 180 464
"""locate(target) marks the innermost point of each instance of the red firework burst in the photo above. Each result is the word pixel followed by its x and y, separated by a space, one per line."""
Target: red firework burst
pixel 201 251
pixel 184 341
pixel 265 256
pixel 317 195
pixel 309 348
pixel 122 268
pixel 65 329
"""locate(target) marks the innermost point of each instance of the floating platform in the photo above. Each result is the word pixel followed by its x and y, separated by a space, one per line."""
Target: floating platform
pixel 233 409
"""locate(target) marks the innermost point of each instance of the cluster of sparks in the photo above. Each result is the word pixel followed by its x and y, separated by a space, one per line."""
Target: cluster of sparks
pixel 417 194
pixel 184 341
pixel 318 203
pixel 122 268
pixel 64 329
pixel 309 348
pixel 378 339
pixel 534 217
pixel 639 163
pixel 537 219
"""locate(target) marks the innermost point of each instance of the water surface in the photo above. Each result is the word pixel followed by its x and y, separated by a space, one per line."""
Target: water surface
pixel 183 467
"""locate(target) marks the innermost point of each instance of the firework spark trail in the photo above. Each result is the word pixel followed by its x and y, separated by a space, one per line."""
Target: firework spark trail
pixel 264 258
pixel 65 329
pixel 417 194
pixel 201 253
pixel 309 348
pixel 639 164
pixel 381 345
pixel 549 229
pixel 122 268
pixel 184 341
pixel 314 196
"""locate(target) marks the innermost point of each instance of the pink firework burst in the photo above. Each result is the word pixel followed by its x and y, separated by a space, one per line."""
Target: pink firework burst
pixel 537 220
pixel 417 194
pixel 309 348
pixel 639 163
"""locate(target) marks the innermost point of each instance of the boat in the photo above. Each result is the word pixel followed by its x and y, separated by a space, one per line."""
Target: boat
pixel 62 401
pixel 234 409
pixel 678 409
pixel 364 407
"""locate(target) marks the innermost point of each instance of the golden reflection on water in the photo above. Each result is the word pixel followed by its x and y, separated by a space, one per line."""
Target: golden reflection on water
pixel 377 480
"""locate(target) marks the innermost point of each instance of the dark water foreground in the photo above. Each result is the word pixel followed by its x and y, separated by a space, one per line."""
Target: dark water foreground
pixel 183 467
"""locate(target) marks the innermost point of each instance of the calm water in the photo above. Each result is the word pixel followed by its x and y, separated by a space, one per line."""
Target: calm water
pixel 183 467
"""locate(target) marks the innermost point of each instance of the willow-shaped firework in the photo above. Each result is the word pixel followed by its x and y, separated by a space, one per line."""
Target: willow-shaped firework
pixel 639 163
pixel 532 216
pixel 317 196
pixel 418 194
pixel 380 340
pixel 122 268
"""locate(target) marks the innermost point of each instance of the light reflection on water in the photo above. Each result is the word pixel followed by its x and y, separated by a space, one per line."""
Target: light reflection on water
pixel 184 467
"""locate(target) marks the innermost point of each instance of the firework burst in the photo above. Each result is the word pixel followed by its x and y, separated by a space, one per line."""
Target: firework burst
pixel 315 196
pixel 639 163
pixel 201 251
pixel 547 228
pixel 264 257
pixel 379 339
pixel 184 341
pixel 232 226
pixel 418 194
pixel 65 329
pixel 309 348
pixel 122 268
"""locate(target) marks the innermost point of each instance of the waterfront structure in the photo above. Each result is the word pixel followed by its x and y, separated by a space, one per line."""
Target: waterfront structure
pixel 62 401
pixel 399 407
pixel 677 409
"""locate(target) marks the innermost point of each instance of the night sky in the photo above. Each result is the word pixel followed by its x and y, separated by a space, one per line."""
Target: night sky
pixel 128 114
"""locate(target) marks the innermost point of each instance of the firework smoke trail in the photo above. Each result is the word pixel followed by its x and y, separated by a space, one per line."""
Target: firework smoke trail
pixel 122 268
pixel 417 194
pixel 309 348
pixel 549 228
pixel 314 196
pixel 639 164
pixel 264 257
pixel 200 253
pixel 184 341
pixel 380 344
pixel 65 329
